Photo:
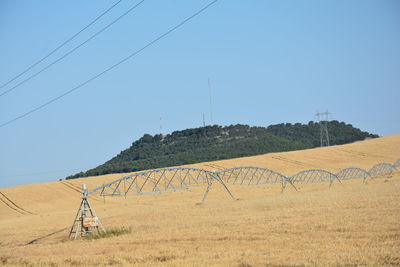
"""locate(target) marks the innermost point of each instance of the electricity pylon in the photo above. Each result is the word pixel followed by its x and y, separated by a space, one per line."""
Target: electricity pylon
pixel 323 119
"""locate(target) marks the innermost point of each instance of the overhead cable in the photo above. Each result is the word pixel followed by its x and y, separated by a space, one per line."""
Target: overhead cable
pixel 72 50
pixel 61 45
pixel 111 67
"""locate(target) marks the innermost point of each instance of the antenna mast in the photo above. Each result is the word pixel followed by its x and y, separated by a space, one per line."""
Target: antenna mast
pixel 161 126
pixel 211 111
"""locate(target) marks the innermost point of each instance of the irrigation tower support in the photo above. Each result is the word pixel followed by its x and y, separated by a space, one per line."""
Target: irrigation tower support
pixel 86 221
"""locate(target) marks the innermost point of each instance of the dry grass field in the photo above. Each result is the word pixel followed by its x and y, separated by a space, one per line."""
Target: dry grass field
pixel 352 224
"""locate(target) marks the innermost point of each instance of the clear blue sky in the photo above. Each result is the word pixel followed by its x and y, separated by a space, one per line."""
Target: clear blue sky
pixel 268 61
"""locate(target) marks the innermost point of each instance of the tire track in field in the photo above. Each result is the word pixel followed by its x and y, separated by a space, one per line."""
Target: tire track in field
pixel 77 189
pixel 34 241
pixel 8 205
pixel 75 186
pixel 215 166
pixel 295 162
pixel 43 237
pixel 13 205
pixel 358 153
pixel 71 187
pixel 218 167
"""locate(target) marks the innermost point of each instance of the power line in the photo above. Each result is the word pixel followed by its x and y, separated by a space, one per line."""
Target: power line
pixel 72 50
pixel 111 67
pixel 61 45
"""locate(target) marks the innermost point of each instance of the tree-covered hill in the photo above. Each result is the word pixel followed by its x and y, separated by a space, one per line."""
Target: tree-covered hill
pixel 216 142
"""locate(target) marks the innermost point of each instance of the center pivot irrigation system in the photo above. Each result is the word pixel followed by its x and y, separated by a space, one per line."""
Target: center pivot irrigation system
pixel 173 179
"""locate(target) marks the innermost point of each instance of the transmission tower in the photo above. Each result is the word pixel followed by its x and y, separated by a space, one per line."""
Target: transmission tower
pixel 323 119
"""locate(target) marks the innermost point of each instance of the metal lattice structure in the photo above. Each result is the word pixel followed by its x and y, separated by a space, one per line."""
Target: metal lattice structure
pixel 154 181
pixel 322 119
pixel 86 221
pixel 174 179
pixel 397 163
pixel 251 176
pixel 382 169
pixel 352 173
pixel 254 176
pixel 160 181
pixel 313 176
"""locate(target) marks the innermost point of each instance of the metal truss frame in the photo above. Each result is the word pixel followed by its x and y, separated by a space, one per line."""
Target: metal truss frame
pixel 251 176
pixel 382 169
pixel 397 163
pixel 173 179
pixel 314 176
pixel 353 173
pixel 254 176
pixel 85 211
pixel 160 181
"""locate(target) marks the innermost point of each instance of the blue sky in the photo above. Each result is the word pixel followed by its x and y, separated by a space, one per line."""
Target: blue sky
pixel 268 62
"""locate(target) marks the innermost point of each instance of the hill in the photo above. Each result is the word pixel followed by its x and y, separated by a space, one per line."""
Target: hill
pixel 348 224
pixel 216 143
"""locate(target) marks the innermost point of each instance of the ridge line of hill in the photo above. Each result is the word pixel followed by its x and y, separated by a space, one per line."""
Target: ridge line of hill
pixel 215 142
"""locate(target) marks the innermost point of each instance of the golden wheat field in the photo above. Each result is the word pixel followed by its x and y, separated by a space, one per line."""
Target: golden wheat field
pixel 349 224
